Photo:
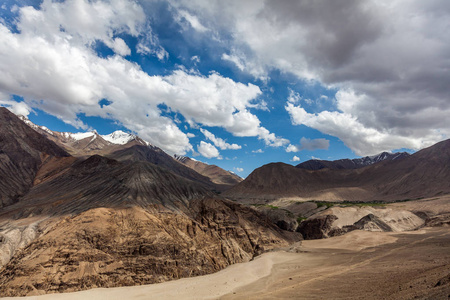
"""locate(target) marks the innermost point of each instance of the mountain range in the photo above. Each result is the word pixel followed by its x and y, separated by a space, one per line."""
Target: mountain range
pixel 401 176
pixel 73 219
pixel 356 163
pixel 83 210
pixel 124 146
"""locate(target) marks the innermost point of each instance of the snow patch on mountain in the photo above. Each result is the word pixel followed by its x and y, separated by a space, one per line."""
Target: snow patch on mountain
pixel 119 137
pixel 79 135
pixel 34 126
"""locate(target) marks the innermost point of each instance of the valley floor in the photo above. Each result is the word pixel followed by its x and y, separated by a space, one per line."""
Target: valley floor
pixel 358 265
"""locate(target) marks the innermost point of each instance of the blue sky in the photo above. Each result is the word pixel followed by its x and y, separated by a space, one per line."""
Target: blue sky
pixel 238 83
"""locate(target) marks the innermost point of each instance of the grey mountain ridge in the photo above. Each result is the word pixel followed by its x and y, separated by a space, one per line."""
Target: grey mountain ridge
pixel 356 163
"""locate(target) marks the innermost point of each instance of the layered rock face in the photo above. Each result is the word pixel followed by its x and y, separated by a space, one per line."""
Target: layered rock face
pixel 106 247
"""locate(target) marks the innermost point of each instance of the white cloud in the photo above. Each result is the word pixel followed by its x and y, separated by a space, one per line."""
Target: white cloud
pixel 240 61
pixel 237 169
pixel 61 74
pixel 195 59
pixel 190 135
pixel 82 21
pixel 19 108
pixel 192 20
pixel 218 142
pixel 208 150
pixel 258 151
pixel 120 47
pixel 149 45
pixel 292 148
pixel 363 140
pixel 295 158
pixel 309 144
pixel 271 139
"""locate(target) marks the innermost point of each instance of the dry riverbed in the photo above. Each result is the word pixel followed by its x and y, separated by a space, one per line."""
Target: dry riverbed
pixel 358 265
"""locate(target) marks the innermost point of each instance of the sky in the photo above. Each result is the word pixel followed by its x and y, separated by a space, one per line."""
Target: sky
pixel 238 84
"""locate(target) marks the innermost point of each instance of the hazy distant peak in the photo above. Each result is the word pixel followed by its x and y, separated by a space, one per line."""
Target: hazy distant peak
pixel 315 164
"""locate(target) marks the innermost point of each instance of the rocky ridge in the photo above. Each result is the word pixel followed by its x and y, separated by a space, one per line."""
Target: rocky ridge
pixel 356 163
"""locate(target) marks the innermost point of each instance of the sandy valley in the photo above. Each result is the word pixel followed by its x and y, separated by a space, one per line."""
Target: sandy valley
pixel 358 265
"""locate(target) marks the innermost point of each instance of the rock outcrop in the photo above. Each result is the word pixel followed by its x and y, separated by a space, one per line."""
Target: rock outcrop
pixel 340 220
pixel 106 247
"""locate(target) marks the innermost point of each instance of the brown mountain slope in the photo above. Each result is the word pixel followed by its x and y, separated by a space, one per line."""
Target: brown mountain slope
pixel 102 182
pixel 22 151
pixel 216 174
pixel 423 174
pixel 104 223
pixel 90 222
pixel 426 173
pixel 158 157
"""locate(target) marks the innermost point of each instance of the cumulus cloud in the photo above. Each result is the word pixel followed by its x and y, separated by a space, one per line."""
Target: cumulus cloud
pixel 60 73
pixel 363 140
pixel 120 47
pixel 19 108
pixel 237 169
pixel 258 151
pixel 295 158
pixel 218 142
pixel 208 150
pixel 270 139
pixel 392 55
pixel 309 144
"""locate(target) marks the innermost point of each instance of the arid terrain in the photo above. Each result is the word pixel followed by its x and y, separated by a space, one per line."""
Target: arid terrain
pixel 360 264
pixel 108 217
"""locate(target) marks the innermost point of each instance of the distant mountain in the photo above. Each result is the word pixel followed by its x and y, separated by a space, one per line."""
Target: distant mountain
pixel 356 163
pixel 425 173
pixel 215 173
pixel 124 146
pixel 88 143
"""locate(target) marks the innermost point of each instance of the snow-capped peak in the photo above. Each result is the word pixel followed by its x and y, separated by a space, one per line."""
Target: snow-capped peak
pixel 119 137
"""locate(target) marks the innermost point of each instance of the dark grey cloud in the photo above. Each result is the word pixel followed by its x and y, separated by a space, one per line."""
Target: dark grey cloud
pixel 309 144
pixel 389 59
